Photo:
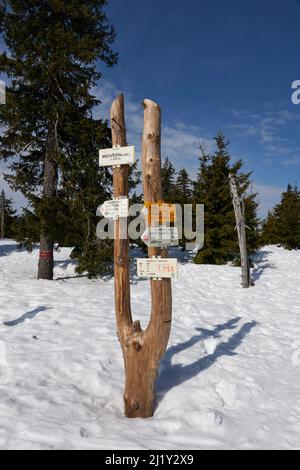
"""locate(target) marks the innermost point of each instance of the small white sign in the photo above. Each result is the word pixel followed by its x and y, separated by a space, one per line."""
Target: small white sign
pixel 157 268
pixel 2 92
pixel 155 237
pixel 117 156
pixel 115 209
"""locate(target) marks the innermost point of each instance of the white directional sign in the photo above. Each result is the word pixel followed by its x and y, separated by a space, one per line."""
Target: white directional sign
pixel 117 156
pixel 157 268
pixel 2 92
pixel 115 209
pixel 155 237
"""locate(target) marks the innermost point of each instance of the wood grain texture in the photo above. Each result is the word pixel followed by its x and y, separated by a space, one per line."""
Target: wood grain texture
pixel 142 350
pixel 241 229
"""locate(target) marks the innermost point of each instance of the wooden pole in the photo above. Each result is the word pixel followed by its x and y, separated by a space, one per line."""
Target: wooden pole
pixel 142 350
pixel 121 246
pixel 241 229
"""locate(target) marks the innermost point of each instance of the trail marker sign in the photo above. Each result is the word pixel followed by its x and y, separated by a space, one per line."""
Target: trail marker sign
pixel 157 268
pixel 160 236
pixel 160 213
pixel 115 209
pixel 117 156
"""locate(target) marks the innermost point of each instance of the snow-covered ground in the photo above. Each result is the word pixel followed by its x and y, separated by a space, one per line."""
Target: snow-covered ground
pixel 230 378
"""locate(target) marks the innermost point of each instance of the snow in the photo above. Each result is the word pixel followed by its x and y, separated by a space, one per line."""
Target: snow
pixel 230 378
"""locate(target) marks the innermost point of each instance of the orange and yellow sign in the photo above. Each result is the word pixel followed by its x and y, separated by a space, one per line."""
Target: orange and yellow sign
pixel 160 213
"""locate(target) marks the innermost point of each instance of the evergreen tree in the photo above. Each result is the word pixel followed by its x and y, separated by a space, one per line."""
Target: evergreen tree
pixel 7 216
pixel 95 256
pixel 282 226
pixel 54 47
pixel 183 188
pixel 76 220
pixel 212 189
pixel 27 229
pixel 183 195
pixel 168 174
pixel 253 223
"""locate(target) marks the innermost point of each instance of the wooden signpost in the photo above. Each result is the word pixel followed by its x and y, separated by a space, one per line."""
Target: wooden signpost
pixel 241 229
pixel 142 349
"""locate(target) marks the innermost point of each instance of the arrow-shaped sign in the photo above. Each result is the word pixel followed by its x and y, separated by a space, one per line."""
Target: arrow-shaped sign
pixel 160 236
pixel 114 209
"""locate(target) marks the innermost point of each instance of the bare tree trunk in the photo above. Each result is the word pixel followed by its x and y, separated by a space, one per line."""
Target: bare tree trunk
pixel 241 229
pixel 142 350
pixel 2 215
pixel 45 267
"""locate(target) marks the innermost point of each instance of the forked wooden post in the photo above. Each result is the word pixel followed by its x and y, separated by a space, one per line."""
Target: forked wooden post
pixel 241 229
pixel 142 350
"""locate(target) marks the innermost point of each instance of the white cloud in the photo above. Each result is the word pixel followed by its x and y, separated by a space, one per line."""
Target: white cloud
pixel 182 145
pixel 294 161
pixel 180 142
pixel 268 127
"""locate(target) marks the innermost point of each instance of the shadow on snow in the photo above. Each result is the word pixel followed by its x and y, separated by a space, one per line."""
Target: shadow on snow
pixel 173 375
pixel 262 261
pixel 27 316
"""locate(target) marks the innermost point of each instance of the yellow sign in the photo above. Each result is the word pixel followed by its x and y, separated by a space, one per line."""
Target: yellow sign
pixel 160 213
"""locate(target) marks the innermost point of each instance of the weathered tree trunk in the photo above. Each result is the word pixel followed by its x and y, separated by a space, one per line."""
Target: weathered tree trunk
pixel 241 229
pixel 2 208
pixel 142 350
pixel 45 267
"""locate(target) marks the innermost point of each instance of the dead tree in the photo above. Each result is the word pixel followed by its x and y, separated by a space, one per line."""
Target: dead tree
pixel 2 210
pixel 142 349
pixel 241 229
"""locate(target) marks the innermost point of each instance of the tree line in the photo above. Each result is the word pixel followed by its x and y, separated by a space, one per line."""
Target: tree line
pixel 54 55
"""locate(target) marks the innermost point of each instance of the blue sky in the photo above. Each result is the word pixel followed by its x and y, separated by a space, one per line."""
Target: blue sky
pixel 213 65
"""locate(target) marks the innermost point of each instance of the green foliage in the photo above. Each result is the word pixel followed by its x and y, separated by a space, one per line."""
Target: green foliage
pixel 183 188
pixel 27 230
pixel 183 194
pixel 95 259
pixel 7 216
pixel 212 189
pixel 282 226
pixel 53 64
pixel 168 173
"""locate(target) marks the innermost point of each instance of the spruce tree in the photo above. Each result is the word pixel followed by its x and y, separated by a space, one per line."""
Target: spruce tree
pixel 7 216
pixel 27 229
pixel 212 189
pixel 183 195
pixel 168 174
pixel 54 48
pixel 282 226
pixel 183 188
